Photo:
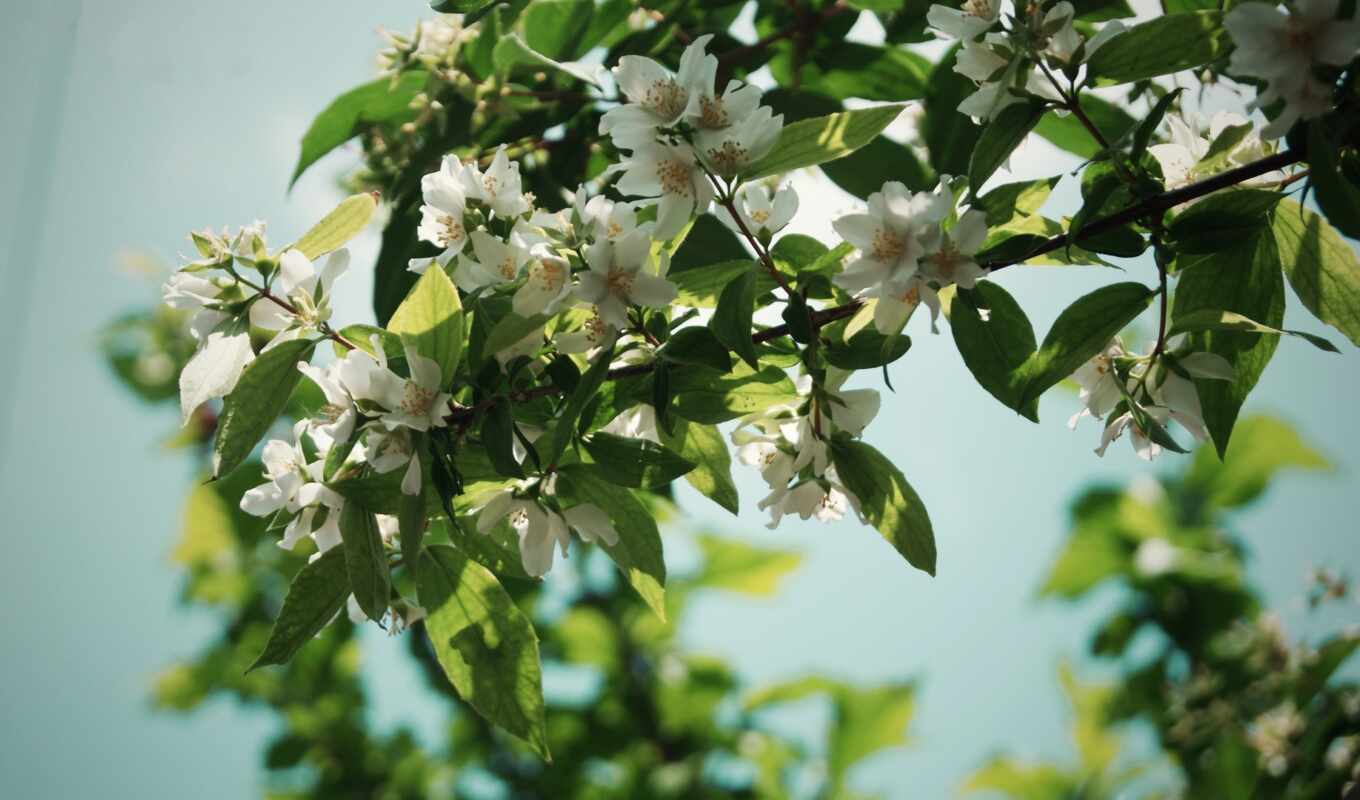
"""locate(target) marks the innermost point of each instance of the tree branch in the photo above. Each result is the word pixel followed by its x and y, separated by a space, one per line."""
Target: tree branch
pixel 1149 205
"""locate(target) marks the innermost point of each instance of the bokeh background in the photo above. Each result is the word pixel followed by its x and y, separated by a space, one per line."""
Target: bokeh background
pixel 126 124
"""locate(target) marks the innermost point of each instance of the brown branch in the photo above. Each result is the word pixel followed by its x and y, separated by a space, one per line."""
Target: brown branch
pixel 1150 205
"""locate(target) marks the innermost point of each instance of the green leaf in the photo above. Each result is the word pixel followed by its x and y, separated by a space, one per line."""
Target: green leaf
pixel 704 445
pixel 1081 331
pixel 1142 137
pixel 1329 657
pixel 864 171
pixel 950 136
pixel 735 566
pixel 887 501
pixel 1161 46
pixel 1261 447
pixel 1321 267
pixel 696 346
pixel 1001 136
pixel 412 519
pixel 638 551
pixel 731 322
pixel 432 316
pixel 365 560
pixel 701 287
pixel 1212 319
pixel 1068 133
pixel 996 348
pixel 869 72
pixel 260 395
pixel 701 397
pixel 1222 221
pixel 498 437
pixel 708 241
pixel 1094 551
pixel 585 390
pixel 485 644
pixel 638 463
pixel 821 139
pixel 1011 200
pixel 335 229
pixel 510 329
pixel 867 349
pixel 1246 280
pixel 1338 197
pixel 512 51
pixel 315 596
pixel 555 28
pixel 379 101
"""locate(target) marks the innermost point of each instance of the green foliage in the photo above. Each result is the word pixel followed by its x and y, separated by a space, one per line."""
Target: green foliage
pixel 635 462
pixel 316 595
pixel 1321 266
pixel 379 101
pixel 1161 46
pixel 704 446
pixel 887 501
pixel 365 560
pixel 821 139
pixel 485 644
pixel 997 347
pixel 432 317
pixel 1001 136
pixel 259 397
pixel 335 229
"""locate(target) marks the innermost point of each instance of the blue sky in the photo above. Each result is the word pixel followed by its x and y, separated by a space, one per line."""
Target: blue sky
pixel 129 124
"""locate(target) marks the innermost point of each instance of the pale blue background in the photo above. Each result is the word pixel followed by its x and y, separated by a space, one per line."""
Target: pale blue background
pixel 127 124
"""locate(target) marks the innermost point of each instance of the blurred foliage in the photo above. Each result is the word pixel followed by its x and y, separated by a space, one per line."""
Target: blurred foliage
pixel 1239 710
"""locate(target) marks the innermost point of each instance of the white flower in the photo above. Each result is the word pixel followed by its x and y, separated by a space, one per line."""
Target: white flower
pixel 294 486
pixel 774 456
pixel 187 290
pixel 728 151
pixel 949 255
pixel 501 187
pixel 656 98
pixel 417 402
pixel 762 214
pixel 1155 557
pixel 824 498
pixel 1099 384
pixel 888 235
pixel 334 421
pixel 496 262
pixel 1180 156
pixel 445 193
pixel 971 20
pixel 306 289
pixel 638 422
pixel 545 287
pixel 850 409
pixel 386 450
pixel 711 111
pixel 1156 391
pixel 214 369
pixel 608 219
pixel 618 277
pixel 592 334
pixel 541 530
pixel 995 75
pixel 1066 44
pixel 249 245
pixel 673 175
pixel 1282 50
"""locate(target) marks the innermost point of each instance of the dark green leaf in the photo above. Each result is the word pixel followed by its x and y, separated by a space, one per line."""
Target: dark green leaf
pixel 260 395
pixel 864 171
pixel 697 346
pixel 638 463
pixel 887 501
pixel 1001 136
pixel 379 101
pixel 1081 331
pixel 731 322
pixel 576 403
pixel 1212 319
pixel 995 348
pixel 1161 46
pixel 1011 200
pixel 867 349
pixel 315 596
pixel 1338 197
pixel 1321 266
pixel 700 396
pixel 1221 221
pixel 498 437
pixel 485 644
pixel 365 560
pixel 704 445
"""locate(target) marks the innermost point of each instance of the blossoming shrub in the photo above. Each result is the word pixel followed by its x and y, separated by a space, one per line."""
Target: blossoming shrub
pixel 585 271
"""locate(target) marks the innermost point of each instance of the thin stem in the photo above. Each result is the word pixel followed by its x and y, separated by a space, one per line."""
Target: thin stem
pixel 325 329
pixel 725 199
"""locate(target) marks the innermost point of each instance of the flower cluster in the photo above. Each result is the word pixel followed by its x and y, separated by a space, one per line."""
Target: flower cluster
pixel 911 246
pixel 1144 393
pixel 1184 157
pixel 680 134
pixel 433 45
pixel 1002 62
pixel 1285 49
pixel 789 444
pixel 225 304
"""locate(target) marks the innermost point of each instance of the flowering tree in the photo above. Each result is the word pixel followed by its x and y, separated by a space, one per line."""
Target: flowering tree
pixel 583 274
